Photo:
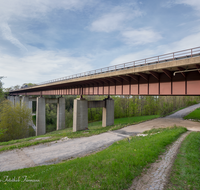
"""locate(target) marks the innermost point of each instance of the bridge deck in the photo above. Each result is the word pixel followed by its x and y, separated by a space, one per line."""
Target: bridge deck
pixel 177 73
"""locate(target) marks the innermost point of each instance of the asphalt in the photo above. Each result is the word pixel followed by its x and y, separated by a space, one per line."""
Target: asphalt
pixel 64 149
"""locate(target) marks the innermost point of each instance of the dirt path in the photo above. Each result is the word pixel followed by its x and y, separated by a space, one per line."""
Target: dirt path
pixel 157 175
pixel 55 152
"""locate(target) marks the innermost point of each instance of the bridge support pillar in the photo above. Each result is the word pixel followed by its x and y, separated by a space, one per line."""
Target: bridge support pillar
pixel 25 101
pixel 80 115
pixel 40 117
pixel 17 100
pixel 61 113
pixel 12 99
pixel 108 113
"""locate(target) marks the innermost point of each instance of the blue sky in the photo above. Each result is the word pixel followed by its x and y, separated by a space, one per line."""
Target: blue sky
pixel 46 39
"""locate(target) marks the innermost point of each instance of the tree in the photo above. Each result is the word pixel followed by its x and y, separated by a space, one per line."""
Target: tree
pixel 14 121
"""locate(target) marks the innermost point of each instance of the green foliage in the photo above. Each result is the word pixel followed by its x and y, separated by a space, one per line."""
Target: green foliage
pixel 32 133
pixel 34 119
pixel 113 168
pixel 51 117
pixel 50 127
pixel 68 118
pixel 186 169
pixel 14 121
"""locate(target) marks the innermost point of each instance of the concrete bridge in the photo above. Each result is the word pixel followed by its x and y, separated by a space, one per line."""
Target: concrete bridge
pixel 176 73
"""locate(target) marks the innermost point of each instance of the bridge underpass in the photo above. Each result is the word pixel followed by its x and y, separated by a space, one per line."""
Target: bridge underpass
pixel 176 73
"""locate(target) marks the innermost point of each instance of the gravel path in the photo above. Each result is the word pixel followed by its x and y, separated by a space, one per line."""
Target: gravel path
pixel 156 176
pixel 182 113
pixel 55 152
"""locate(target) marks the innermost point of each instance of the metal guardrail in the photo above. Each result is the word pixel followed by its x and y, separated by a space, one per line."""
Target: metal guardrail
pixel 138 63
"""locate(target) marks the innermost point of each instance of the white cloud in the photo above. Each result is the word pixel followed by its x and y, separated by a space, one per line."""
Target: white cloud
pixel 115 19
pixel 133 57
pixel 7 35
pixel 187 42
pixel 21 8
pixel 41 66
pixel 194 3
pixel 16 10
pixel 141 36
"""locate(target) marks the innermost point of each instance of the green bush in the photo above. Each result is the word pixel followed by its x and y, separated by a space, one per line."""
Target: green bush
pixel 68 118
pixel 14 121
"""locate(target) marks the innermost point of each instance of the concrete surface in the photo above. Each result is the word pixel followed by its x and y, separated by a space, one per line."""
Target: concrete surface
pixel 70 148
pixel 40 116
pixel 80 114
pixel 17 100
pixel 108 113
pixel 12 99
pixel 61 113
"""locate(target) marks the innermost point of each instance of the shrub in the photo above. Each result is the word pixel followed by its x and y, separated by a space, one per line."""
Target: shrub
pixel 14 121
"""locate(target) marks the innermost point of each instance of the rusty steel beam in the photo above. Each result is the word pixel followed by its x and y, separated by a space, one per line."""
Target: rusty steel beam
pixel 155 74
pixel 111 80
pixel 127 79
pixel 168 73
pixel 134 77
pixel 144 76
pixel 117 79
pixel 104 81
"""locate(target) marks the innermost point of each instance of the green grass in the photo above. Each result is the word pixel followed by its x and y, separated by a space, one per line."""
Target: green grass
pixel 186 169
pixel 195 115
pixel 112 168
pixel 94 129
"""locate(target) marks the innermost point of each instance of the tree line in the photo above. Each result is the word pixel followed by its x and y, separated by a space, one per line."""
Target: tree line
pixel 124 106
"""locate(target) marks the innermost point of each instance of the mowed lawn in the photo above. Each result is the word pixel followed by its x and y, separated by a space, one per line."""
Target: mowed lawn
pixel 112 168
pixel 93 129
pixel 195 115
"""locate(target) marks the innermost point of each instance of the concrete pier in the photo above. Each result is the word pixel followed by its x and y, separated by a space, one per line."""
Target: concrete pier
pixel 25 101
pixel 12 99
pixel 61 113
pixel 80 116
pixel 17 100
pixel 108 113
pixel 40 117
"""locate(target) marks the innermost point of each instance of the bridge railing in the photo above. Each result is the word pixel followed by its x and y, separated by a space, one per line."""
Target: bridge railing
pixel 138 63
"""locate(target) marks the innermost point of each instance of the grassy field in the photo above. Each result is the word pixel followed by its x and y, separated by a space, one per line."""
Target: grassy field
pixel 94 129
pixel 112 168
pixel 186 169
pixel 195 115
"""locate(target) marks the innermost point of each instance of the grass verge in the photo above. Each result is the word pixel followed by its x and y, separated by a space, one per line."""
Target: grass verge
pixel 94 129
pixel 186 169
pixel 112 168
pixel 195 115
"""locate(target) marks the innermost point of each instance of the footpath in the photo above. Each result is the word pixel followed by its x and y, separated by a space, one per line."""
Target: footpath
pixel 58 151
